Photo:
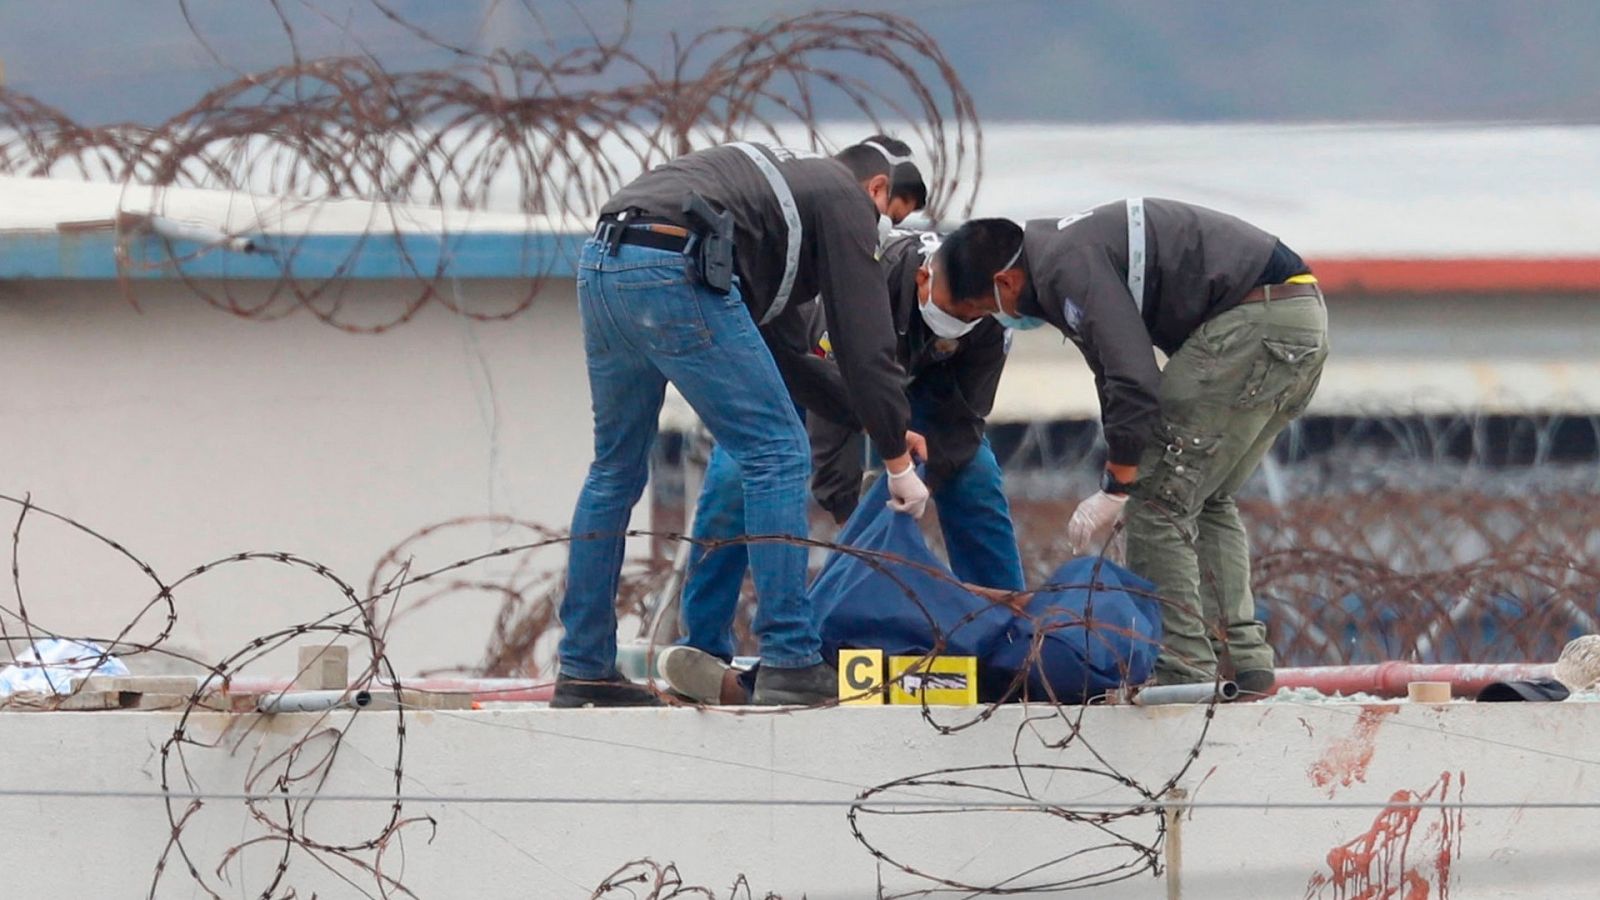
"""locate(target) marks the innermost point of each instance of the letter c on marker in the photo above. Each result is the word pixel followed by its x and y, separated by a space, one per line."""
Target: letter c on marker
pixel 853 676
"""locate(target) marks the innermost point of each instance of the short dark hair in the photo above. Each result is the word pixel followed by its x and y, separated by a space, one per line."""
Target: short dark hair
pixel 973 253
pixel 866 161
pixel 907 182
pixel 906 179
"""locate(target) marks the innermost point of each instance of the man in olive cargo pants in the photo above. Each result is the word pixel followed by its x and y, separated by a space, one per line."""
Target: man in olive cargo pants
pixel 1225 395
pixel 1242 323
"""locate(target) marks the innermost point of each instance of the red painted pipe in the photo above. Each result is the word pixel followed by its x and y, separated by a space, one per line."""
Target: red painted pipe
pixel 1389 679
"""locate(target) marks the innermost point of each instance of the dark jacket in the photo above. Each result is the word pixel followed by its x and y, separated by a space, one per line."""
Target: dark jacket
pixel 953 384
pixel 836 259
pixel 1197 263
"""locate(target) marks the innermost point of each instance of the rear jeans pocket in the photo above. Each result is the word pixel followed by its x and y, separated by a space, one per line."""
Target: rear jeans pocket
pixel 666 315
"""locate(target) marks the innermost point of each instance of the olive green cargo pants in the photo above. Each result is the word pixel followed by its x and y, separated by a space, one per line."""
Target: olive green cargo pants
pixel 1225 395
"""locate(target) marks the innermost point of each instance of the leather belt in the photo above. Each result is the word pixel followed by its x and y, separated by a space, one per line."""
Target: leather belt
pixel 1281 292
pixel 657 235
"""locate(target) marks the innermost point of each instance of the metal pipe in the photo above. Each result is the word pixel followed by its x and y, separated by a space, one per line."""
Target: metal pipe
pixel 1389 679
pixel 483 690
pixel 1201 692
pixel 311 701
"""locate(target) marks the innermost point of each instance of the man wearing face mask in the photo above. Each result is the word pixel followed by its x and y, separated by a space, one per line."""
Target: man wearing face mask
pixel 1243 324
pixel 686 263
pixel 954 367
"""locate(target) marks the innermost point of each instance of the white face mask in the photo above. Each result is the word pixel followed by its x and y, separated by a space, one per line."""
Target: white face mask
pixel 885 226
pixel 941 323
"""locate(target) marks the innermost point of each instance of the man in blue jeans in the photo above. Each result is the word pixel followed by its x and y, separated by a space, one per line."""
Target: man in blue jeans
pixel 663 300
pixel 955 369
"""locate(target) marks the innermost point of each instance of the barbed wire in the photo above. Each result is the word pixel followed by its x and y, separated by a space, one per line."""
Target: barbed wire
pixel 1349 564
pixel 543 136
pixel 280 788
pixel 1502 546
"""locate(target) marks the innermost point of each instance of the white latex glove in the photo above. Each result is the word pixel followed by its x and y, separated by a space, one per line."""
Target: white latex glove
pixel 1093 520
pixel 907 493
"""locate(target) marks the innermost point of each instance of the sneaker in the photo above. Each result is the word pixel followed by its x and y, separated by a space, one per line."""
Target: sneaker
pixel 575 693
pixel 808 686
pixel 699 676
pixel 1254 683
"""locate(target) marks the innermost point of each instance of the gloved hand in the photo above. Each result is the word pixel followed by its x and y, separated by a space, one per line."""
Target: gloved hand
pixel 917 446
pixel 907 493
pixel 1093 520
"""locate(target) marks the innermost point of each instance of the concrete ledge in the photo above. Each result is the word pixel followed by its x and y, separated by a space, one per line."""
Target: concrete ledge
pixel 544 803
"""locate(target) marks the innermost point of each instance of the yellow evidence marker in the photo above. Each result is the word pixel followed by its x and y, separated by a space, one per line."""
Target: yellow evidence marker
pixel 942 681
pixel 860 677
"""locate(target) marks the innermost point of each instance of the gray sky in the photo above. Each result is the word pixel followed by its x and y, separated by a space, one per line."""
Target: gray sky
pixel 1066 60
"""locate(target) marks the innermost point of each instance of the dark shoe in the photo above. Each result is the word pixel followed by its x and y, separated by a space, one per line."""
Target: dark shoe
pixel 699 676
pixel 575 693
pixel 809 686
pixel 1255 683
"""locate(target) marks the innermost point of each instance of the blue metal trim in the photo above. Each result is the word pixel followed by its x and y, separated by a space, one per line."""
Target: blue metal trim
pixel 90 255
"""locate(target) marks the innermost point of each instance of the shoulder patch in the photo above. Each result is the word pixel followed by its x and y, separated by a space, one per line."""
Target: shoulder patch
pixel 1072 312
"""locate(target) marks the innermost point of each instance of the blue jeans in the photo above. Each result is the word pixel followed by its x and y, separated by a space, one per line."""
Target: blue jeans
pixel 973 514
pixel 647 321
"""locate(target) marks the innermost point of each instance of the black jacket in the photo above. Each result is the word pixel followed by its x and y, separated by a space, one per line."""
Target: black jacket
pixel 836 259
pixel 953 385
pixel 1197 263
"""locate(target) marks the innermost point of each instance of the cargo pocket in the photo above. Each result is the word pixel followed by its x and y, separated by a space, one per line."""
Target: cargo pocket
pixel 1277 370
pixel 1185 460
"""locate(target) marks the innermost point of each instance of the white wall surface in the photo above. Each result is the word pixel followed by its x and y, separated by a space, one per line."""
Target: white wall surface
pixel 189 434
pixel 1293 753
pixel 1391 354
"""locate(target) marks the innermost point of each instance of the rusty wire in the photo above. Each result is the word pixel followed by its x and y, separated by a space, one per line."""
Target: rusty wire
pixel 1440 538
pixel 1432 553
pixel 297 771
pixel 547 135
pixel 1344 576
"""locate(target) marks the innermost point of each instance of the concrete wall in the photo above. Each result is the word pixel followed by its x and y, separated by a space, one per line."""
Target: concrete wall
pixel 1391 354
pixel 771 794
pixel 188 434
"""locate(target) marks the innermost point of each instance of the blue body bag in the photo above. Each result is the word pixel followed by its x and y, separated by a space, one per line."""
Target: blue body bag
pixel 1097 629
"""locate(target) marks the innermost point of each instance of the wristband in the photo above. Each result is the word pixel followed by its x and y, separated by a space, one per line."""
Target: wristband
pixel 1111 485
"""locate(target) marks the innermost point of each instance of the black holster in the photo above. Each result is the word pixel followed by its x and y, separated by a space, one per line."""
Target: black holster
pixel 712 248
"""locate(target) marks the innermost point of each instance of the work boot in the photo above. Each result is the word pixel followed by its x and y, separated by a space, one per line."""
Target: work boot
pixel 1255 683
pixel 808 686
pixel 701 677
pixel 575 693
